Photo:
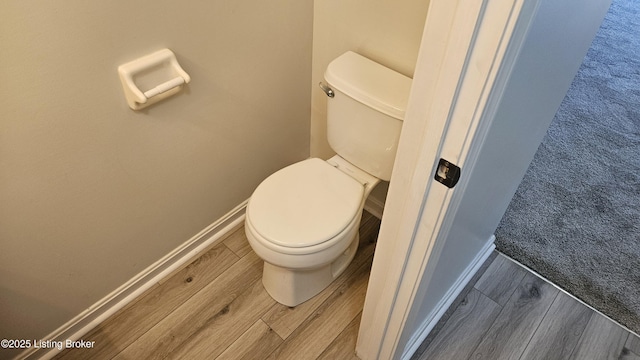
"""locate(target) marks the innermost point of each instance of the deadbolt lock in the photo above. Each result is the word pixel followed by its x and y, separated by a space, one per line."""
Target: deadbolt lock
pixel 447 173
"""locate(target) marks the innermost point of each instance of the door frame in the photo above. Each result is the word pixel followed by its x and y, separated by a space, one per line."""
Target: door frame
pixel 466 54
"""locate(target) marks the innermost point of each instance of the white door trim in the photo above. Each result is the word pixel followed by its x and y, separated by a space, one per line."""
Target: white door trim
pixel 466 54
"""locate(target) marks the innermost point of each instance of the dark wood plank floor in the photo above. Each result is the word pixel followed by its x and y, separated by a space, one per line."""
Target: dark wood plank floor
pixel 216 308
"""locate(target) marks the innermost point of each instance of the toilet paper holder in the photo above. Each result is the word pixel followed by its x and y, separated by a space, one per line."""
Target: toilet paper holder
pixel 152 78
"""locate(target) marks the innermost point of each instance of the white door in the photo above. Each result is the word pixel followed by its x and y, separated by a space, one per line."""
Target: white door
pixel 489 79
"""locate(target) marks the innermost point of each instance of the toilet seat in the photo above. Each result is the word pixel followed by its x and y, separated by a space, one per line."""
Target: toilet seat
pixel 304 206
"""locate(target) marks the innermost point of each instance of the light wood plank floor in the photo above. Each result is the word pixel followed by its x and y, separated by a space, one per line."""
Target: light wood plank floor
pixel 512 314
pixel 216 308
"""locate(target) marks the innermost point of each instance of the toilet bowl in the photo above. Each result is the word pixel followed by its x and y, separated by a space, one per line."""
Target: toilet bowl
pixel 303 220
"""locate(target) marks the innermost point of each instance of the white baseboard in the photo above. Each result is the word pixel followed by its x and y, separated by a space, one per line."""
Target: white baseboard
pixel 374 206
pixel 110 304
pixel 428 324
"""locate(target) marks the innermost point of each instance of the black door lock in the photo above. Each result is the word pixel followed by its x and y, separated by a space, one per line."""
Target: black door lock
pixel 447 173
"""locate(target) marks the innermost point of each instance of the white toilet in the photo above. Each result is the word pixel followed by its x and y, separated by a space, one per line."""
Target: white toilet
pixel 303 220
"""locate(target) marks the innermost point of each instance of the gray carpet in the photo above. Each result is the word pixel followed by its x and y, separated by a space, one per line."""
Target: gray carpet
pixel 575 219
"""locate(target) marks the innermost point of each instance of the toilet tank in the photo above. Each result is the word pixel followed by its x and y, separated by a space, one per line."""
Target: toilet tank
pixel 364 118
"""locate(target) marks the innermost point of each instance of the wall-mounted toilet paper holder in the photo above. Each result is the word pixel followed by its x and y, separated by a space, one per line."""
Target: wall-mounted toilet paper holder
pixel 151 78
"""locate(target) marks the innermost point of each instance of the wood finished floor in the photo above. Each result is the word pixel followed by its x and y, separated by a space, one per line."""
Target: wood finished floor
pixel 512 314
pixel 216 308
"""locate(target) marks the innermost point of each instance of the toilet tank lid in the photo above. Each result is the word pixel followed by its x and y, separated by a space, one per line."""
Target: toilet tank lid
pixel 370 83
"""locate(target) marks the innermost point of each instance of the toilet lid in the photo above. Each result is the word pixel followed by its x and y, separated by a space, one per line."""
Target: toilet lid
pixel 304 204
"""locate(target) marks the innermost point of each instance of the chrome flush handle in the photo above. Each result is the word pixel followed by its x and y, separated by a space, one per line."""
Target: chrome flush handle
pixel 327 90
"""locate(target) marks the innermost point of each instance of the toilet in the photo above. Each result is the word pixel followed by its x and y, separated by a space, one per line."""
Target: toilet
pixel 303 220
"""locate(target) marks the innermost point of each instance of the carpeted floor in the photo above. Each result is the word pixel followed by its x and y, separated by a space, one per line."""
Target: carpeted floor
pixel 575 218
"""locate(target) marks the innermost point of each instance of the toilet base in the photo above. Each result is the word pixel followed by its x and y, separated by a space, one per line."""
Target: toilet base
pixel 293 287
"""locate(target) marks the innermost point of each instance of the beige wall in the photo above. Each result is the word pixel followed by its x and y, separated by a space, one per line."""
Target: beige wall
pixel 91 192
pixel 386 31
